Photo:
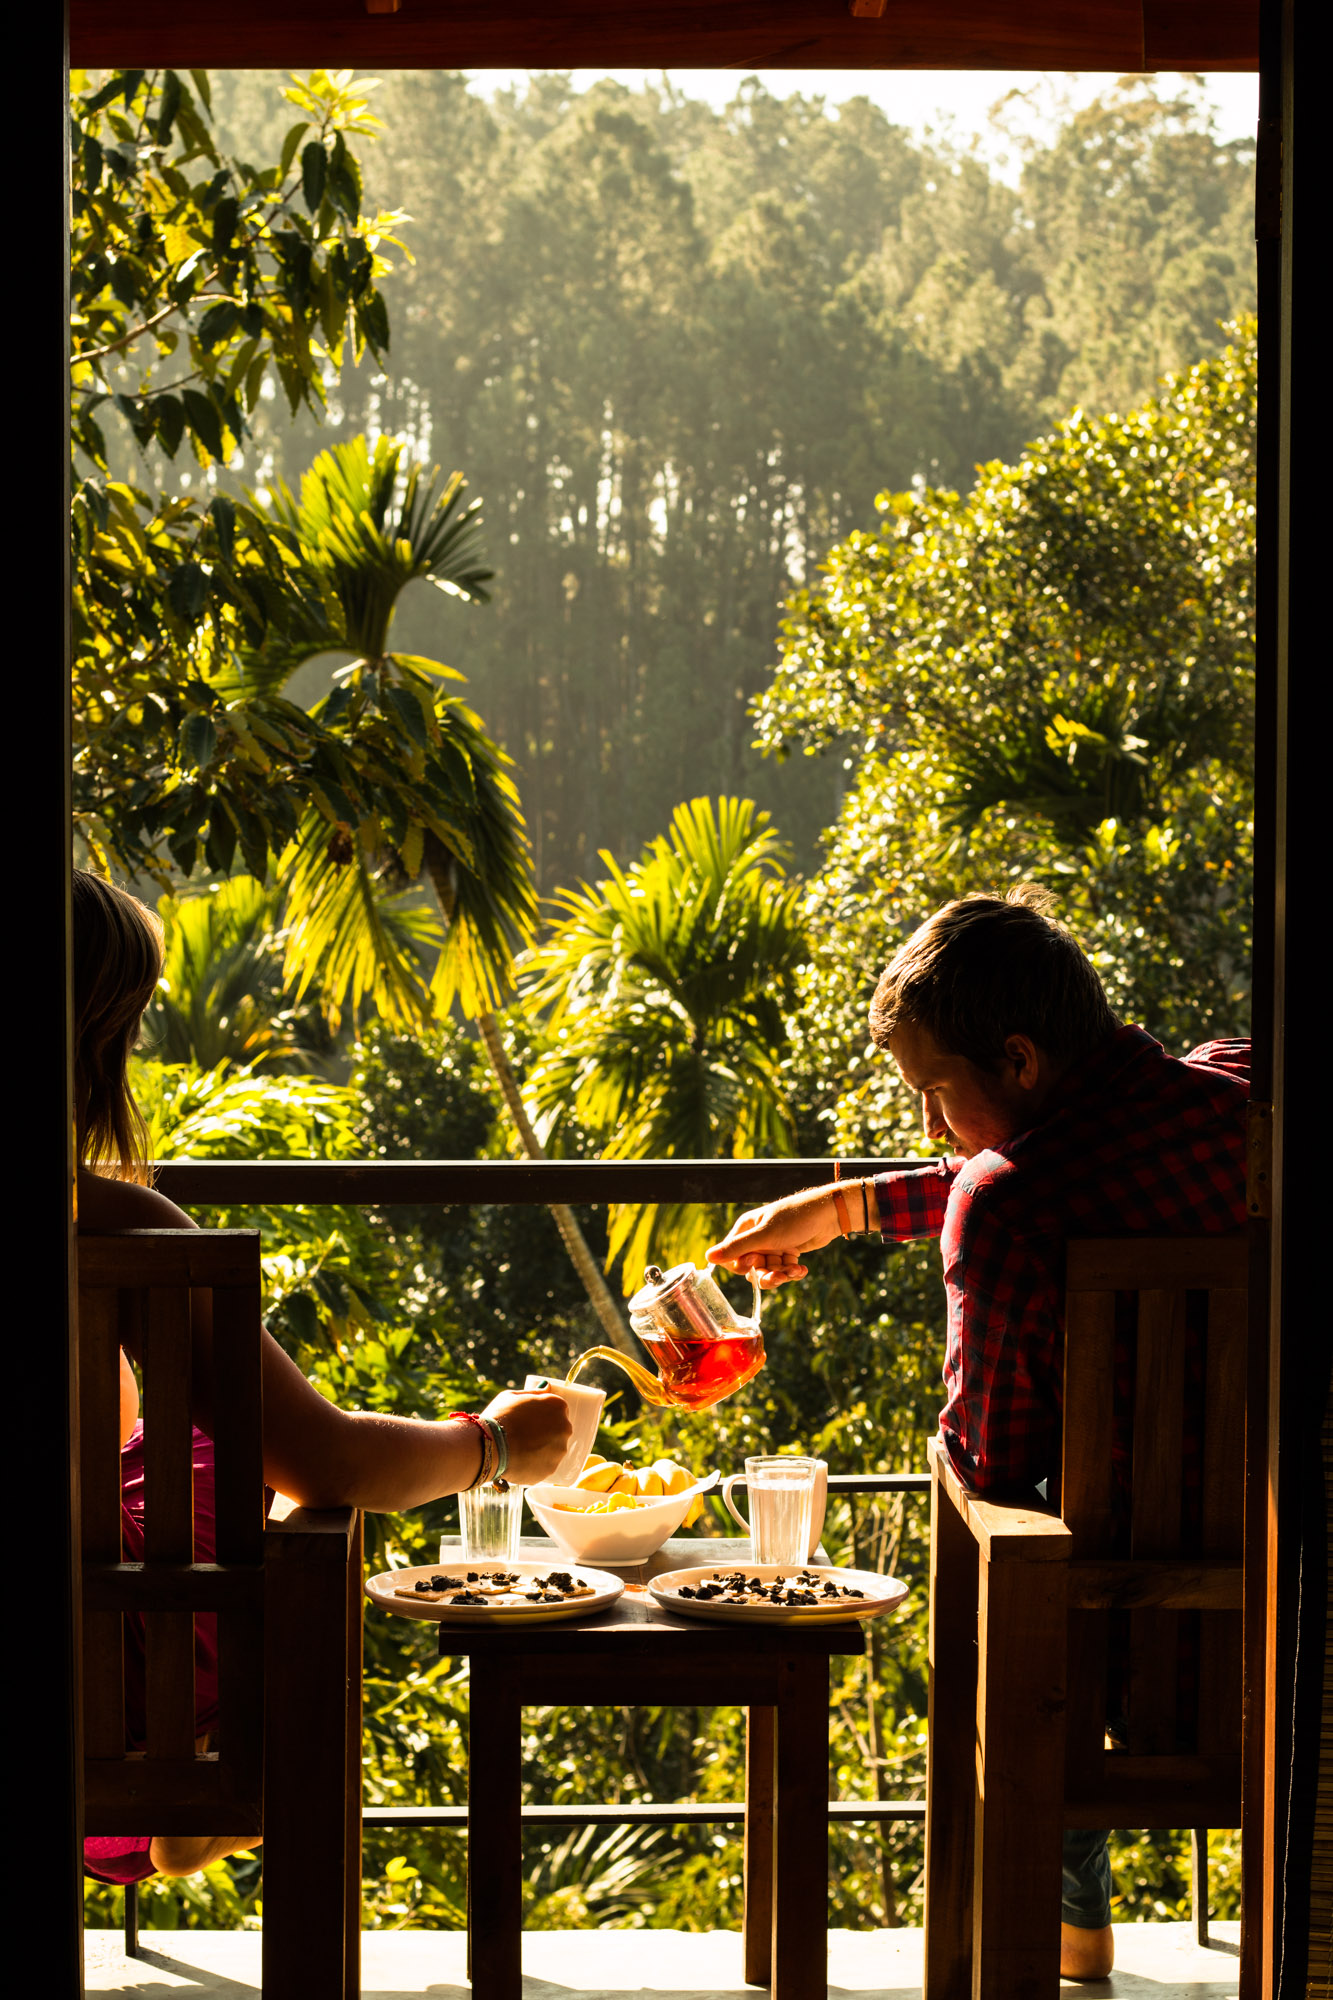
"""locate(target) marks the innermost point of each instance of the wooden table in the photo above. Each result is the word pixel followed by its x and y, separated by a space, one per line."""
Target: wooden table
pixel 636 1653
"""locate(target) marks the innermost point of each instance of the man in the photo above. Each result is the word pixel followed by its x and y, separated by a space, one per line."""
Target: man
pixel 1061 1123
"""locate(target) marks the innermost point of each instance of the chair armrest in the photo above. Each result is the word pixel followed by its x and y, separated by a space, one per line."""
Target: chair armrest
pixel 313 1534
pixel 1005 1531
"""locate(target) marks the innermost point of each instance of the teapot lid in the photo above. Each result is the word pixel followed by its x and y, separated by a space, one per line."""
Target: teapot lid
pixel 657 1283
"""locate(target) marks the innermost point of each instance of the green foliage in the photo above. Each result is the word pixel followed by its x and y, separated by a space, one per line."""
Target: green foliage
pixel 212 261
pixel 221 998
pixel 194 275
pixel 1051 680
pixel 1068 641
pixel 368 524
pixel 494 1283
pixel 689 347
pixel 663 993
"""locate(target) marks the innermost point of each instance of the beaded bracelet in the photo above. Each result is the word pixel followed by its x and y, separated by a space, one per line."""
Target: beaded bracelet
pixel 496 1431
pixel 489 1449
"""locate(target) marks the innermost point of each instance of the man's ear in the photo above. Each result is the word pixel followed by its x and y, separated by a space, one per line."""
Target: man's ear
pixel 1024 1060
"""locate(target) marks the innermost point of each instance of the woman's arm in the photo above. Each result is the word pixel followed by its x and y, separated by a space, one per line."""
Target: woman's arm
pixel 322 1456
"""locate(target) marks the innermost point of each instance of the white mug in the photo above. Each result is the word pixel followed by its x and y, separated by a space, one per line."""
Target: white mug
pixel 585 1413
pixel 818 1504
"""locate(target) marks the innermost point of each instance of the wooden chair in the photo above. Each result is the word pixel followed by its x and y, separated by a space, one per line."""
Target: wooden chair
pixel 284 1761
pixel 1023 1617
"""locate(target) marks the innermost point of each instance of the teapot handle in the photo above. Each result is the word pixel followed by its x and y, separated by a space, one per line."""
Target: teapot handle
pixel 757 1298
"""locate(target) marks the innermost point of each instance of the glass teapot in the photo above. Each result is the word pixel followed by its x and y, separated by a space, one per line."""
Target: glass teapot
pixel 703 1348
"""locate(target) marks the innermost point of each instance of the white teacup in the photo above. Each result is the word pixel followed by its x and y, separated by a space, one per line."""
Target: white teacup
pixel 818 1504
pixel 585 1413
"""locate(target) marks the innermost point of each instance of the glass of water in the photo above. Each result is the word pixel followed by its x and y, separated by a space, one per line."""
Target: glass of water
pixel 781 1492
pixel 490 1517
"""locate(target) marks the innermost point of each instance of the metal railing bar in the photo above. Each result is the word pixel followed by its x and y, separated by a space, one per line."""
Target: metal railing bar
pixel 879 1482
pixel 663 1813
pixel 501 1183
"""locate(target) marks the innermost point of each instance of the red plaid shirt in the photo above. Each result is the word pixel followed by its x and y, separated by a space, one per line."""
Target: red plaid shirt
pixel 1133 1142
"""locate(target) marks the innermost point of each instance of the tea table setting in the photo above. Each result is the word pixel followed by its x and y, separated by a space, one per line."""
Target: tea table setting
pixel 611 1606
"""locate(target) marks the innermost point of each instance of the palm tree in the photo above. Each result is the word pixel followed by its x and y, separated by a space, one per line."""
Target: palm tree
pixel 367 524
pixel 665 989
pixel 222 997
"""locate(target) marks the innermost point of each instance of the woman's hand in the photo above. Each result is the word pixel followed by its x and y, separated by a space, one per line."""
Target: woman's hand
pixel 772 1242
pixel 537 1428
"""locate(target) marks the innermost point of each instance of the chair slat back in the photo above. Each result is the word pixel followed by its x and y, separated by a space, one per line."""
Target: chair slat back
pixel 1171 1314
pixel 154 1292
pixel 99 1431
pixel 1089 1415
pixel 1221 1664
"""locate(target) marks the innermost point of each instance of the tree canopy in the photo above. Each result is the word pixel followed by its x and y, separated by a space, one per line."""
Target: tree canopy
pixel 198 281
pixel 679 351
pixel 1051 678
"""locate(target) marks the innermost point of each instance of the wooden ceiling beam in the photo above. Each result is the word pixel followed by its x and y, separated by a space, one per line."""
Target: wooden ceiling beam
pixel 1116 35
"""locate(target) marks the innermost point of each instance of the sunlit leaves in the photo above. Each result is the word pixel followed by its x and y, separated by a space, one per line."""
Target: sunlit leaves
pixel 161 255
pixel 221 997
pixel 1051 680
pixel 1069 640
pixel 663 991
pixel 407 784
pixel 193 276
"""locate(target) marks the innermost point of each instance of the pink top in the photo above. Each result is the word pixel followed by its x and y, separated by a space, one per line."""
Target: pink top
pixel 125 1858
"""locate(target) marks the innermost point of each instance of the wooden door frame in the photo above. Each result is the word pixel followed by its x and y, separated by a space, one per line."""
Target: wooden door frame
pixel 1288 1511
pixel 49 1362
pixel 1286 1546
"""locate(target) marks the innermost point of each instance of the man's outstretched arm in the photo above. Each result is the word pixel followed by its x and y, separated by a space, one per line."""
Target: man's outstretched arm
pixel 773 1242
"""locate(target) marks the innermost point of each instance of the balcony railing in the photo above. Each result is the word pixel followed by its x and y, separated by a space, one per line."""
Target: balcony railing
pixel 505 1183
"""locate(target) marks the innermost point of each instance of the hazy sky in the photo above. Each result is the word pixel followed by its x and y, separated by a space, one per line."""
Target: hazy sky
pixel 934 98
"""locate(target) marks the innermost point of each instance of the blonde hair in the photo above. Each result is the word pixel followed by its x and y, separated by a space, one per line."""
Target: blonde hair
pixel 117 964
pixel 984 968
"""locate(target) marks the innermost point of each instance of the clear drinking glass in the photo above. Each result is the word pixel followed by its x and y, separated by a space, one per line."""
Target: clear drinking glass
pixel 490 1517
pixel 781 1492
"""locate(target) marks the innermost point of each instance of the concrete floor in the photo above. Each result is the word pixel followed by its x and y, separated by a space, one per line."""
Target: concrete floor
pixel 1160 1960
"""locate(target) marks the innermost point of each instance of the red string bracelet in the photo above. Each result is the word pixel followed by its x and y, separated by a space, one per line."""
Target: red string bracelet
pixel 467 1417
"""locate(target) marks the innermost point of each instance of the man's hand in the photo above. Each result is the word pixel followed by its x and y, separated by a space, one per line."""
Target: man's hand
pixel 536 1424
pixel 772 1242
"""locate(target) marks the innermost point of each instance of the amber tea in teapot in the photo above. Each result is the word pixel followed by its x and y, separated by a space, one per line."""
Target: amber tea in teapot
pixel 702 1348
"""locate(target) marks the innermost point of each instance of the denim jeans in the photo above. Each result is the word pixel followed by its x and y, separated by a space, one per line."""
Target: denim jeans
pixel 1086 1893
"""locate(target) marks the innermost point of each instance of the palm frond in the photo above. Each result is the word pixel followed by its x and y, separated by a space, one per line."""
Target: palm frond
pixel 664 989
pixel 347 931
pixel 370 521
pixel 221 996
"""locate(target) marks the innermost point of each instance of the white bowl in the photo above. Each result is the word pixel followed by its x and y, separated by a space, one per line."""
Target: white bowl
pixel 630 1535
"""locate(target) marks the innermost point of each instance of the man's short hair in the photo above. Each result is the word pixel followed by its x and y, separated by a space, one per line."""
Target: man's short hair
pixel 984 968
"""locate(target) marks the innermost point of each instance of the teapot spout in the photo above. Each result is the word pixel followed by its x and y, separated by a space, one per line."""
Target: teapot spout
pixel 646 1383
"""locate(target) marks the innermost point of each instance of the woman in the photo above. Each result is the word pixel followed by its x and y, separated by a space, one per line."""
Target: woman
pixel 315 1453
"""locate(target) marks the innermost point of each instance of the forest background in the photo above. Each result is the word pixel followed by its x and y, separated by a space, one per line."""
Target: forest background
pixel 747 397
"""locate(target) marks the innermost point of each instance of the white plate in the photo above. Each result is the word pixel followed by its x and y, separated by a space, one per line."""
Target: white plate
pixel 382 1590
pixel 882 1594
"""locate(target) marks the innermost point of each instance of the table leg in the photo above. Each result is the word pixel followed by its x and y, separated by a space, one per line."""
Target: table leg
pixel 495 1833
pixel 800 1885
pixel 757 1921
